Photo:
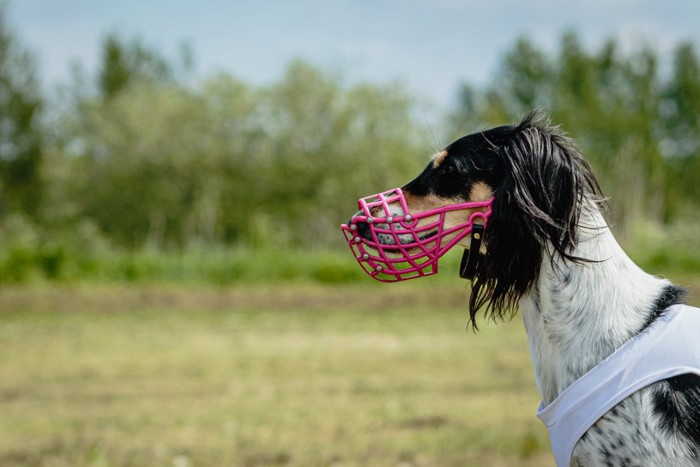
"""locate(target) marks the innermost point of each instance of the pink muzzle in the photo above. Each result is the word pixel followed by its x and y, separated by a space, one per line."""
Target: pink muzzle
pixel 392 244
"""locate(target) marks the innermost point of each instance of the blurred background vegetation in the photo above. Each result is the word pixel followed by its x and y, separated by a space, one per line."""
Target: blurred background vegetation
pixel 141 171
pixel 175 290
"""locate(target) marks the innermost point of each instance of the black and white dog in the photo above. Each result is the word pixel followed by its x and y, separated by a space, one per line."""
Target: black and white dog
pixel 548 250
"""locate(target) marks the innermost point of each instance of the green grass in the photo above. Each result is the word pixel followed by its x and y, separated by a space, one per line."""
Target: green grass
pixel 297 375
pixel 223 266
pixel 659 250
pixel 294 374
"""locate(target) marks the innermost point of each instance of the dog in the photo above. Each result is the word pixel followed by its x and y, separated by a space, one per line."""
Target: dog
pixel 548 251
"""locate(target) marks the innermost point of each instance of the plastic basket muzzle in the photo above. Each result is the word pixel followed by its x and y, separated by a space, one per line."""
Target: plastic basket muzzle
pixel 392 244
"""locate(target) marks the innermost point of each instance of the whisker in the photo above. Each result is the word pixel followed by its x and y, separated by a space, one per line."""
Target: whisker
pixel 437 145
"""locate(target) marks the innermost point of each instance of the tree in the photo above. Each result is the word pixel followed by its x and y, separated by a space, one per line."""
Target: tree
pixel 614 105
pixel 681 129
pixel 125 63
pixel 522 82
pixel 20 133
pixel 682 103
pixel 222 162
pixel 321 131
pixel 525 78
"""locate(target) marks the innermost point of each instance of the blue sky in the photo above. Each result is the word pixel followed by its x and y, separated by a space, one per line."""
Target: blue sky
pixel 430 46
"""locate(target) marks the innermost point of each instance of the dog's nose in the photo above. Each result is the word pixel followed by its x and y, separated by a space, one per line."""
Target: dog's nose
pixel 362 228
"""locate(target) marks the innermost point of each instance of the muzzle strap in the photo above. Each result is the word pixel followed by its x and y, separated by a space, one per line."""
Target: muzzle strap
pixel 391 244
pixel 470 257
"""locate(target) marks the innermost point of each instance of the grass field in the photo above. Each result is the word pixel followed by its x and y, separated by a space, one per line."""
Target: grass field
pixel 298 375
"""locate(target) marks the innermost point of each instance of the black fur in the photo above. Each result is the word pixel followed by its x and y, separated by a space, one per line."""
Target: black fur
pixel 677 403
pixel 671 295
pixel 539 179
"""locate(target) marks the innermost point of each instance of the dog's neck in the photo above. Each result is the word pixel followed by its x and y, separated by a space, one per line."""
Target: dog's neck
pixel 577 314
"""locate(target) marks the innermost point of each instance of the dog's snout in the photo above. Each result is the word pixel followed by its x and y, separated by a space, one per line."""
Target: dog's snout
pixel 361 228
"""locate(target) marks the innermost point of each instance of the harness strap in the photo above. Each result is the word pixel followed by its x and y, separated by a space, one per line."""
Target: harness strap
pixel 470 257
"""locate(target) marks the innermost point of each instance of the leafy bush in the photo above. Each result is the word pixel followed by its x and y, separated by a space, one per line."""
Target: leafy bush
pixel 664 249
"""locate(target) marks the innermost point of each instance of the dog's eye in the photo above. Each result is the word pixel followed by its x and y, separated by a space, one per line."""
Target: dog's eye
pixel 448 169
pixel 450 181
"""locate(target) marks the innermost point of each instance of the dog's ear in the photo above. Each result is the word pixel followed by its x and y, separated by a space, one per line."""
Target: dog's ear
pixel 536 212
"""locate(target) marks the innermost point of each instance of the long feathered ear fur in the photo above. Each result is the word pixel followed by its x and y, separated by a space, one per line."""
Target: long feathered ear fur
pixel 538 201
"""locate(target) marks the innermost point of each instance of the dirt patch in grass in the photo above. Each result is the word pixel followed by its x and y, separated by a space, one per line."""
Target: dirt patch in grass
pixel 118 297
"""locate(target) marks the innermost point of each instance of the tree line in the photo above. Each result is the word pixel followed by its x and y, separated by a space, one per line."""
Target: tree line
pixel 140 154
pixel 638 123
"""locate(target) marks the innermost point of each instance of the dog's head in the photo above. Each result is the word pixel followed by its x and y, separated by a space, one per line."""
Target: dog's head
pixel 537 182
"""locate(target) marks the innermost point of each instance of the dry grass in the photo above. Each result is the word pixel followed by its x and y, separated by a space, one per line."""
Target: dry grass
pixel 290 375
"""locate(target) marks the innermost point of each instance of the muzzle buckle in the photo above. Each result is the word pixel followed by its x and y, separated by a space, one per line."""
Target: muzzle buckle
pixel 470 257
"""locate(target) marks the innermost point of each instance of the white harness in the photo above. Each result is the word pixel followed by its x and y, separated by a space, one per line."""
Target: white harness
pixel 669 347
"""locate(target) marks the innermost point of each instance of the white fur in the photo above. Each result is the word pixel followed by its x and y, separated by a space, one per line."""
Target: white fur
pixel 573 325
pixel 575 316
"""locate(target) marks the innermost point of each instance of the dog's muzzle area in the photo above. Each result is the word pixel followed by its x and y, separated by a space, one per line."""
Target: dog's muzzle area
pixel 380 222
pixel 392 244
